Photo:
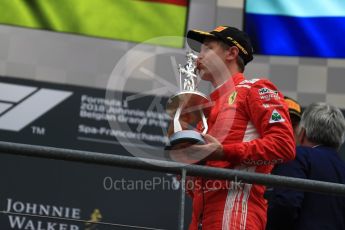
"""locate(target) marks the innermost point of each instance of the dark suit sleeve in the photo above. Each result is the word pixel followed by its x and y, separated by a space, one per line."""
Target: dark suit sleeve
pixel 284 204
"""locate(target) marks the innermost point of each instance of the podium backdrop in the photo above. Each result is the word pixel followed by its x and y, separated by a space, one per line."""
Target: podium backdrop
pixel 63 116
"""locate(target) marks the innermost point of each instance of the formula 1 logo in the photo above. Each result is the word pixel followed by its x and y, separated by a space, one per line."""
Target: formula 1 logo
pixel 20 105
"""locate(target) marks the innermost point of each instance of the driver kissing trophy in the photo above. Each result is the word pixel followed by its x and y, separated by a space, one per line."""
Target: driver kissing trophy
pixel 189 105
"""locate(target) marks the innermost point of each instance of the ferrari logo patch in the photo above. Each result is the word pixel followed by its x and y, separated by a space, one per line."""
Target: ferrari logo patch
pixel 232 98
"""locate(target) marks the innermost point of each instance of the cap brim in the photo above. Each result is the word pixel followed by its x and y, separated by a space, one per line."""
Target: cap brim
pixel 195 38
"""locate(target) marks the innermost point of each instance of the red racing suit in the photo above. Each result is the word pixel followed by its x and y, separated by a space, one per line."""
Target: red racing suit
pixel 251 120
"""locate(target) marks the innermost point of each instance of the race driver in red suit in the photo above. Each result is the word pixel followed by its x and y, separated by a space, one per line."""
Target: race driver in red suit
pixel 249 129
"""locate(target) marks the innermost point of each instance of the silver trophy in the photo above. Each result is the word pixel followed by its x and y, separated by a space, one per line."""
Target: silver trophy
pixel 188 108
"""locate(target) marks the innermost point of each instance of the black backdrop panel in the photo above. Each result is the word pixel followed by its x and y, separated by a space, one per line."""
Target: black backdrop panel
pixel 72 117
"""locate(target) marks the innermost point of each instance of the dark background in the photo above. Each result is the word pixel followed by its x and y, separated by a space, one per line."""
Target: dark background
pixel 78 185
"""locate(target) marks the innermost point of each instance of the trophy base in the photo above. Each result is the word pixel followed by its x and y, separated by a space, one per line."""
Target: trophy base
pixel 185 136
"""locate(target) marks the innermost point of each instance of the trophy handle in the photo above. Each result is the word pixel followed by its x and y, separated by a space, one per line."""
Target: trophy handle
pixel 204 122
pixel 177 125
